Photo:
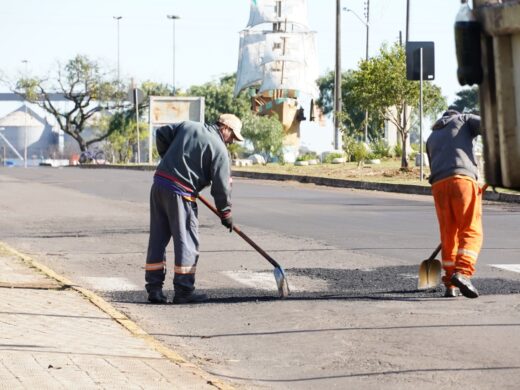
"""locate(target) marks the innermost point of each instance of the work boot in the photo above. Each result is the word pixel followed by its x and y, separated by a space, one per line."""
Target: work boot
pixel 464 284
pixel 452 292
pixel 181 298
pixel 157 297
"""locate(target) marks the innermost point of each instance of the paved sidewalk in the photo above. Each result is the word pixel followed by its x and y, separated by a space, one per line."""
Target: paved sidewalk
pixel 53 336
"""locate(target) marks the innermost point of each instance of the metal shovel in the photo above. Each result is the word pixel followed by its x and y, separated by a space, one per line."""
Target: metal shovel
pixel 430 271
pixel 279 274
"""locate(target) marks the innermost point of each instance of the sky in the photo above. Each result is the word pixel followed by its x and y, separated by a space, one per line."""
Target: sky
pixel 43 32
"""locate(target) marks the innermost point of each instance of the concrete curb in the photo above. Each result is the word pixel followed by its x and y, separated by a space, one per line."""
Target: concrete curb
pixel 370 186
pixel 331 182
pixel 342 183
pixel 119 317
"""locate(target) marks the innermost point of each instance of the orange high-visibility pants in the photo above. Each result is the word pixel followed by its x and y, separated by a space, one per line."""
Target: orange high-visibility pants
pixel 458 204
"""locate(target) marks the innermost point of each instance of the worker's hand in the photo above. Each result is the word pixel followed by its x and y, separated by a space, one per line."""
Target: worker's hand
pixel 228 223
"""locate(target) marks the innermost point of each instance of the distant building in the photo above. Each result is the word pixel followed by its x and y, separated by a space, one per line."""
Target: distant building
pixel 24 127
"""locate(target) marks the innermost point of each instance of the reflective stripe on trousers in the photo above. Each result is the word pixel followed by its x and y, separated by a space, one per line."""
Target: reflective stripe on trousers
pixel 172 216
pixel 458 204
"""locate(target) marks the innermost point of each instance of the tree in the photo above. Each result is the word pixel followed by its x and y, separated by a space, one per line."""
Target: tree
pixel 151 88
pixel 265 133
pixel 86 89
pixel 122 126
pixel 122 141
pixel 380 84
pixel 352 117
pixel 467 100
pixel 218 98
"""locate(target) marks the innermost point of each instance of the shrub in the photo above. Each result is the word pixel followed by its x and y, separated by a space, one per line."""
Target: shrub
pixel 349 143
pixel 398 149
pixel 307 156
pixel 380 149
pixel 236 151
pixel 331 156
pixel 360 152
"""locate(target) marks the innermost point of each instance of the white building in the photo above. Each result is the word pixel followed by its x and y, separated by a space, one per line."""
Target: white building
pixel 24 129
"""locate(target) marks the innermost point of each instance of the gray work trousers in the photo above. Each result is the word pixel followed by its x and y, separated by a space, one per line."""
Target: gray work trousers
pixel 172 216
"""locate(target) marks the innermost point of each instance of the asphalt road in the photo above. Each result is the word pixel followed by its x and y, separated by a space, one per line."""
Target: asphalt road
pixel 355 318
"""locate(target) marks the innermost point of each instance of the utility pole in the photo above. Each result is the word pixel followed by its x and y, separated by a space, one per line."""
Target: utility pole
pixel 25 122
pixel 366 59
pixel 118 18
pixel 337 78
pixel 173 19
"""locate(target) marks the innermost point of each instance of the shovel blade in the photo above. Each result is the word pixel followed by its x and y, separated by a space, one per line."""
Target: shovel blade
pixel 281 282
pixel 429 274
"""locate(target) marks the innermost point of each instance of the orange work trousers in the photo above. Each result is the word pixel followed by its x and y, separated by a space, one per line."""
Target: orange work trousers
pixel 458 204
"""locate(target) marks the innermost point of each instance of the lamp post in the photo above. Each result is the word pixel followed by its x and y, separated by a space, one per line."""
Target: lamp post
pixel 367 25
pixel 173 18
pixel 3 149
pixel 25 123
pixel 337 76
pixel 118 18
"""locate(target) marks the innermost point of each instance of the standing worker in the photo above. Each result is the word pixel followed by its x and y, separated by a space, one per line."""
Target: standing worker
pixel 193 156
pixel 457 196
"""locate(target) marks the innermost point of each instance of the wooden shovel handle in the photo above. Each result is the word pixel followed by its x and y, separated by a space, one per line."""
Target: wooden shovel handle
pixel 436 252
pixel 241 234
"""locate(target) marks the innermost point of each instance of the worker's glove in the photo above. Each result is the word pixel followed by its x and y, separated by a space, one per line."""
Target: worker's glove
pixel 227 221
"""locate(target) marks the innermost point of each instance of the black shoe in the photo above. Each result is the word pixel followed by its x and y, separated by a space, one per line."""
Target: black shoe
pixel 180 299
pixel 452 292
pixel 157 296
pixel 464 284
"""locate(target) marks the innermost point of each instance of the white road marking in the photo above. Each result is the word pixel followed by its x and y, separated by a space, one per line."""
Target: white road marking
pixel 111 283
pixel 257 280
pixel 507 267
pixel 262 280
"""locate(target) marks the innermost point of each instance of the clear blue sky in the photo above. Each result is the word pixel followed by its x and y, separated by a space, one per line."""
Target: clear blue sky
pixel 44 31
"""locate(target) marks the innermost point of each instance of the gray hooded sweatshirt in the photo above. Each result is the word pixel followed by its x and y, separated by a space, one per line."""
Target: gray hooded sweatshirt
pixel 450 146
pixel 195 155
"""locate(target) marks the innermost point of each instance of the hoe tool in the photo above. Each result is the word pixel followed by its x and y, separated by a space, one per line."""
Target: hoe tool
pixel 279 274
pixel 430 271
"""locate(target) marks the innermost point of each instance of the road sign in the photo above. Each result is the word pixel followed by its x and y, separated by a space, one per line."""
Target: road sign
pixel 134 93
pixel 413 60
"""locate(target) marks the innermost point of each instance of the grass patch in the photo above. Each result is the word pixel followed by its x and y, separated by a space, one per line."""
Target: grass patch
pixel 386 172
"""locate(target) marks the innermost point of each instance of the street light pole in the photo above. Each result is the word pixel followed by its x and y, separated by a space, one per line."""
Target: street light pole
pixel 173 18
pixel 404 160
pixel 337 76
pixel 367 25
pixel 25 122
pixel 366 59
pixel 118 18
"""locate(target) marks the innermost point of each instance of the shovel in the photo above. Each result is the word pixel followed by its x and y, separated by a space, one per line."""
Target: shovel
pixel 430 271
pixel 279 274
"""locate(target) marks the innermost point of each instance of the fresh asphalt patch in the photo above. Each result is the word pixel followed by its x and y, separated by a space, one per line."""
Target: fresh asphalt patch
pixel 382 283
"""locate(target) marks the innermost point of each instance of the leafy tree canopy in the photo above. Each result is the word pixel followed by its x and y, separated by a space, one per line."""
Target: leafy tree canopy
pixel 352 117
pixel 265 134
pixel 85 87
pixel 467 100
pixel 218 98
pixel 380 84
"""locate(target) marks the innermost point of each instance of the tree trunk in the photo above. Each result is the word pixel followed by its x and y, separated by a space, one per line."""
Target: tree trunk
pixel 82 144
pixel 404 160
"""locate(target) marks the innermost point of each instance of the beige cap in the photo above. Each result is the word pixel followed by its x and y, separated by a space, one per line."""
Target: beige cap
pixel 233 123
